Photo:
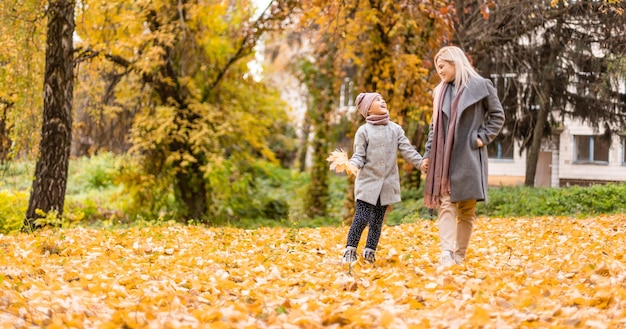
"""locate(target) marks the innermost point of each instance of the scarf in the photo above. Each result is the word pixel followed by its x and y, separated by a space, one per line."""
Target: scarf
pixel 380 119
pixel 438 175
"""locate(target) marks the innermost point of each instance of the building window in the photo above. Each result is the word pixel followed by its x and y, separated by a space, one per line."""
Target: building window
pixel 591 149
pixel 501 148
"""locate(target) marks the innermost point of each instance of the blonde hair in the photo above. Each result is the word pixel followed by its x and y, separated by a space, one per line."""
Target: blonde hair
pixel 462 67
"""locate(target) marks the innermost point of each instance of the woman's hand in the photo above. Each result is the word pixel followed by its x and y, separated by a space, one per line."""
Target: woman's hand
pixel 479 142
pixel 424 165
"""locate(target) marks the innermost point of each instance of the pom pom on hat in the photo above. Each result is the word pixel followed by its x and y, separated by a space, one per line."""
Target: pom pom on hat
pixel 364 101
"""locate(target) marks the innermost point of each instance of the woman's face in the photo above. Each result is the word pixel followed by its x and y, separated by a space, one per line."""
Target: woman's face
pixel 378 107
pixel 446 70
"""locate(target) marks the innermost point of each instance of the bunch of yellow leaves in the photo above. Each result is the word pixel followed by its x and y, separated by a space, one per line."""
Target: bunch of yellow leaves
pixel 340 163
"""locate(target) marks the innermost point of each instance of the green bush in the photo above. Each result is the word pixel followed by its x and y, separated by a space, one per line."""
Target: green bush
pixel 17 175
pixel 566 201
pixel 90 194
pixel 13 206
pixel 93 173
pixel 99 190
pixel 276 209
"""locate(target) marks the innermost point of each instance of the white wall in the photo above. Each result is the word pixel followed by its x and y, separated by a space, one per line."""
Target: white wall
pixel 508 172
pixel 512 172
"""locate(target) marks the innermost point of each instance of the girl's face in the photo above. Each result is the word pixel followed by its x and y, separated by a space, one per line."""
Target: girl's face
pixel 446 70
pixel 378 107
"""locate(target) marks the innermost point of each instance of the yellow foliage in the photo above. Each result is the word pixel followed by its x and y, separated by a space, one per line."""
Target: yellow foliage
pixel 389 45
pixel 480 317
pixel 191 277
pixel 22 58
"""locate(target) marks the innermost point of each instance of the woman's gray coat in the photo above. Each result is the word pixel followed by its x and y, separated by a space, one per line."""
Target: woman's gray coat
pixel 480 116
pixel 376 155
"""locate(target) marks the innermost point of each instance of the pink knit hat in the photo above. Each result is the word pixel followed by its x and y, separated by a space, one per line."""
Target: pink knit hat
pixel 364 101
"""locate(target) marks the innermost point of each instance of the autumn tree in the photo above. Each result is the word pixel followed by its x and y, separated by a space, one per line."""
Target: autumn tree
pixel 102 118
pixel 202 117
pixel 391 49
pixel 22 58
pixel 48 191
pixel 321 82
pixel 551 59
pixel 5 129
pixel 382 46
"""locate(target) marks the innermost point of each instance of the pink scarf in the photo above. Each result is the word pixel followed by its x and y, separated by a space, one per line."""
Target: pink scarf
pixel 438 175
pixel 378 119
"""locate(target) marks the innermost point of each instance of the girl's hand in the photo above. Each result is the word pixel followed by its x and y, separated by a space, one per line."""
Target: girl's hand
pixel 479 142
pixel 352 169
pixel 424 165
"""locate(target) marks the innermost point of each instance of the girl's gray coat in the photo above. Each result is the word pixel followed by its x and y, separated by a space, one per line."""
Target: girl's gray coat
pixel 480 116
pixel 376 155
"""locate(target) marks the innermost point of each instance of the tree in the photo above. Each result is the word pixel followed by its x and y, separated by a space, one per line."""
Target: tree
pixel 318 77
pixel 102 119
pixel 551 59
pixel 392 50
pixel 382 46
pixel 202 119
pixel 5 130
pixel 48 191
pixel 22 36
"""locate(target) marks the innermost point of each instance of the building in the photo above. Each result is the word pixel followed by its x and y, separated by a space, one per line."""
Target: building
pixel 574 155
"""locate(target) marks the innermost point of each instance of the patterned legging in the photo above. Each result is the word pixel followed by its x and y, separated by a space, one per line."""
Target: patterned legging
pixel 366 214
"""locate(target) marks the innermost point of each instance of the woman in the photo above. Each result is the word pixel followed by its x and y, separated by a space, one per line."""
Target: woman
pixel 467 116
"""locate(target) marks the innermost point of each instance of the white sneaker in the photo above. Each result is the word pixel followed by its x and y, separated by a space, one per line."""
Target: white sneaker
pixel 368 255
pixel 447 258
pixel 349 255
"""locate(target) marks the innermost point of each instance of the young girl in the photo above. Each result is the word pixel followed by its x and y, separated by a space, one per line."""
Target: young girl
pixel 377 184
pixel 467 116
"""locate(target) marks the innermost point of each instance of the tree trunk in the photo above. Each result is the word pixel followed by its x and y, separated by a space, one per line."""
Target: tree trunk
pixel 535 147
pixel 413 175
pixel 317 200
pixel 5 131
pixel 304 144
pixel 48 190
pixel 349 206
pixel 548 76
pixel 191 191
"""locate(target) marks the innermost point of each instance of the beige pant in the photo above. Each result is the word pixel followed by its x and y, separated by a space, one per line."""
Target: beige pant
pixel 456 222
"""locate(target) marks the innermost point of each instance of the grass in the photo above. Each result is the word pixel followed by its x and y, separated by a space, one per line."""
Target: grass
pixel 95 198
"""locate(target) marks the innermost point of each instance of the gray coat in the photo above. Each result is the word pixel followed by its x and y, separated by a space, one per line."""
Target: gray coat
pixel 480 116
pixel 376 155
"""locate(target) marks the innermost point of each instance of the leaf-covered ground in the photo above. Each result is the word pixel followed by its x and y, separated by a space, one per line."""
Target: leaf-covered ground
pixel 524 272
